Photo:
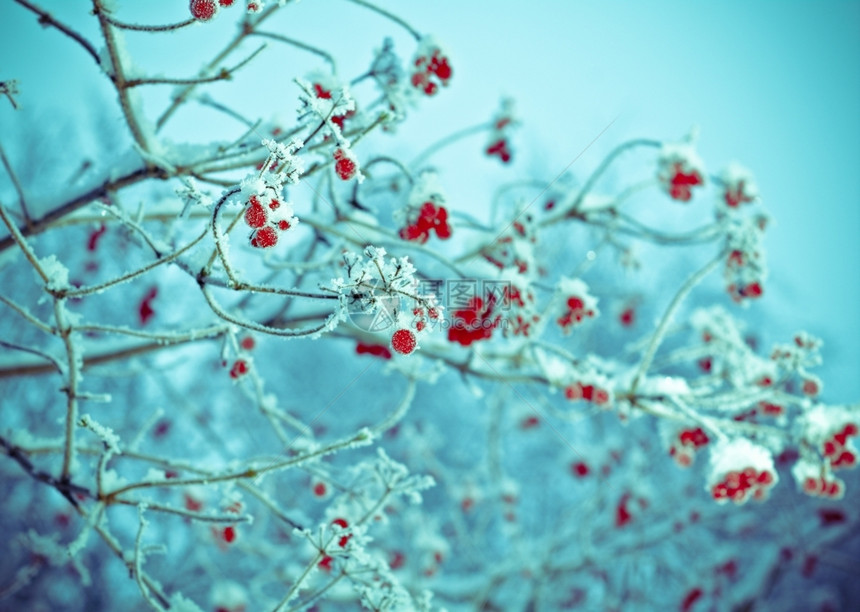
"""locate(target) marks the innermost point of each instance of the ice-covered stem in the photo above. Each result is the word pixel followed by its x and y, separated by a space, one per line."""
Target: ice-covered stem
pixel 230 518
pixel 392 419
pixel 663 326
pixel 117 75
pixel 247 28
pixel 309 599
pixel 261 327
pixel 18 238
pixel 106 186
pixel 415 34
pixel 362 438
pixel 148 28
pixel 26 349
pixel 46 19
pixel 26 315
pixel 449 140
pixel 66 488
pixel 82 291
pixel 138 563
pixel 300 45
pixel 22 201
pixel 64 330
pixel 703 234
pixel 294 589
pixel 604 165
pixel 224 74
pixel 162 341
pixel 216 233
pixel 9 88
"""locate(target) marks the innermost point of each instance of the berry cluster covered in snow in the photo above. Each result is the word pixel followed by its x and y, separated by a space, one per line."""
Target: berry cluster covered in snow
pixel 431 67
pixel 680 169
pixel 499 141
pixel 740 470
pixel 425 212
pixel 578 304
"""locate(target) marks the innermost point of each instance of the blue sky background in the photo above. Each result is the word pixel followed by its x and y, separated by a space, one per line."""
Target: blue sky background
pixel 772 85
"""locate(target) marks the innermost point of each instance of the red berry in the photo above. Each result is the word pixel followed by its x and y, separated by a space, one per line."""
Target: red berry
pixel 626 317
pixel 225 2
pixel 145 309
pixel 264 238
pixel 850 430
pixel 320 489
pixel 255 214
pixel 397 560
pixel 229 534
pixel 377 350
pixel 529 422
pixel 343 165
pixel 247 343
pixel 204 10
pixel 93 240
pixel 403 341
pixel 753 290
pixel 580 468
pixel 691 598
pixel 321 92
pixel 283 225
pixel 240 368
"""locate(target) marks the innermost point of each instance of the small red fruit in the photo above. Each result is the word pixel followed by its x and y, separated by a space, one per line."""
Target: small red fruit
pixel 204 10
pixel 403 341
pixel 344 165
pixel 264 238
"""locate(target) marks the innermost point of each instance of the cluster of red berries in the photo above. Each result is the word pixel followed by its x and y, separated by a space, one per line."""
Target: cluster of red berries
pixel 680 180
pixel 831 488
pixel 521 317
pixel 688 442
pixel 432 69
pixel 575 313
pixel 587 392
pixel 242 366
pixel 735 195
pixel 835 448
pixel 422 317
pixel 738 186
pixel 431 218
pixel 499 135
pixel 264 219
pixel 326 561
pixel 737 289
pixel 740 485
pixel 204 10
pixel 500 147
pixel 474 322
pixel 739 292
pixel 238 369
pixel 325 94
pixel 345 165
pixel 505 252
